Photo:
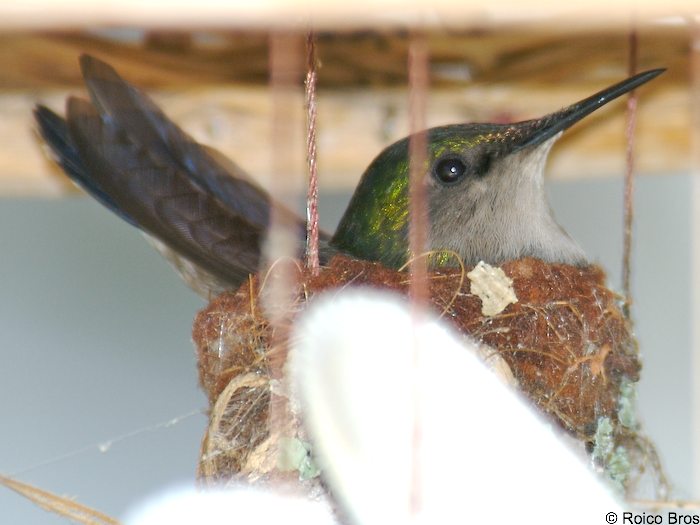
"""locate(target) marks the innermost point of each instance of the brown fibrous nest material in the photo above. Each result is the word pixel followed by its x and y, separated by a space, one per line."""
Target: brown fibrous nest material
pixel 566 341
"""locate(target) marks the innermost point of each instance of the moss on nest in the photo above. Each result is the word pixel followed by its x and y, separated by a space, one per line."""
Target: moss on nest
pixel 565 339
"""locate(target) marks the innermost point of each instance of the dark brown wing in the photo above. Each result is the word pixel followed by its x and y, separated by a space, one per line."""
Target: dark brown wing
pixel 206 214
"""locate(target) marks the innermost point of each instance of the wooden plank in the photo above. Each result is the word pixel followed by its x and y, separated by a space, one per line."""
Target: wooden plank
pixel 355 126
pixel 329 14
pixel 217 90
pixel 542 57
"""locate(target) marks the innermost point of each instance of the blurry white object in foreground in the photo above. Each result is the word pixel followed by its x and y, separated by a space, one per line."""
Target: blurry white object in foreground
pixel 410 427
pixel 188 506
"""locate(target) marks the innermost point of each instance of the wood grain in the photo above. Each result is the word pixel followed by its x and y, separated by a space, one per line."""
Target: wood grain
pixel 331 14
pixel 215 85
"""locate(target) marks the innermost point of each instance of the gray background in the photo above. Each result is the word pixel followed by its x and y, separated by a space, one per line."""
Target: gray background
pixel 95 340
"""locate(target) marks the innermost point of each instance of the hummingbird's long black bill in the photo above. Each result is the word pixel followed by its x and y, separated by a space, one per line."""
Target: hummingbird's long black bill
pixel 533 132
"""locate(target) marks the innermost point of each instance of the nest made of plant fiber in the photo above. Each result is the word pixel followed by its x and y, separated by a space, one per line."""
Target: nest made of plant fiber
pixel 565 339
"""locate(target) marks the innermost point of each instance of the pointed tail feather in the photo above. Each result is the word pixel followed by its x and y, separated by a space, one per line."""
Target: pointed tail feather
pixel 126 153
pixel 54 130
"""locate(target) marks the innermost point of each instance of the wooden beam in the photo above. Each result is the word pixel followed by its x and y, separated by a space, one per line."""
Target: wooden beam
pixel 217 90
pixel 436 14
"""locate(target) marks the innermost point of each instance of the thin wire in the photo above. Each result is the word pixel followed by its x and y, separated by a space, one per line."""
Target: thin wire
pixel 104 446
pixel 312 196
pixel 629 179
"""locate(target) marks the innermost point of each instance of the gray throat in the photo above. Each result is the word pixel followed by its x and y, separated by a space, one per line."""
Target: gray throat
pixel 504 216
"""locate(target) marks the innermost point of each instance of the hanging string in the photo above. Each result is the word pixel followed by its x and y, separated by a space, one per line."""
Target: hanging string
pixel 629 179
pixel 417 150
pixel 281 247
pixel 312 195
pixel 286 63
pixel 418 217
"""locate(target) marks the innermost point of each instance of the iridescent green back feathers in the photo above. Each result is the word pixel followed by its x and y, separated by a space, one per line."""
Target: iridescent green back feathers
pixel 375 224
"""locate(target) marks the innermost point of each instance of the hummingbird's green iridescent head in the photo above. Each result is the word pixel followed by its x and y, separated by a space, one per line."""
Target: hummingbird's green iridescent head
pixel 484 190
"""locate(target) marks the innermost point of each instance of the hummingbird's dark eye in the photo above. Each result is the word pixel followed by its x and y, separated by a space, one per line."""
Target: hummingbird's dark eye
pixel 449 170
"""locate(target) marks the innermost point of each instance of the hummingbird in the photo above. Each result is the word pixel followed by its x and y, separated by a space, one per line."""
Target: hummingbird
pixel 484 187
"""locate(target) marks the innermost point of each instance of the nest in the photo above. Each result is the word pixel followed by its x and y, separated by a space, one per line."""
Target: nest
pixel 566 341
